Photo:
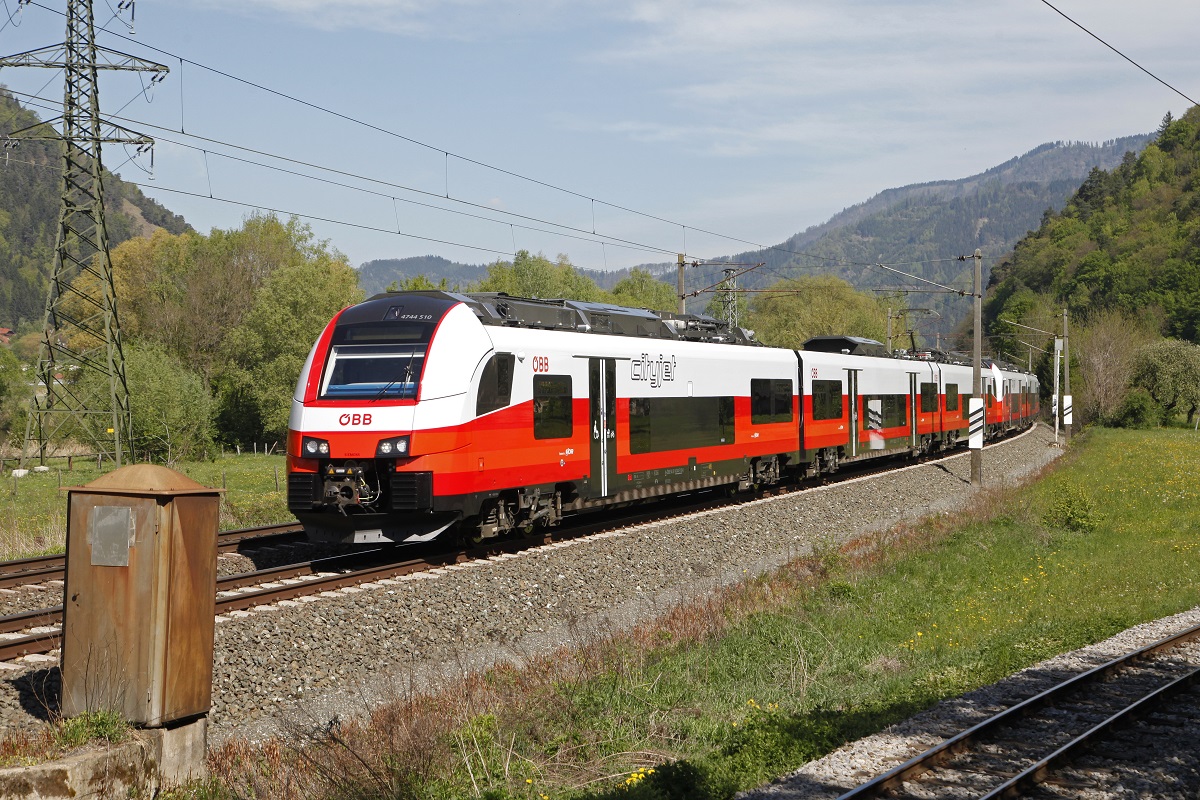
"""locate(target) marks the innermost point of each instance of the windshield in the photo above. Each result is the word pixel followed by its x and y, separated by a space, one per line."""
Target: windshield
pixel 375 361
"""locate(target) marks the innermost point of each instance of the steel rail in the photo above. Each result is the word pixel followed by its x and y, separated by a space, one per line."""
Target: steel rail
pixel 1037 772
pixel 941 753
pixel 317 577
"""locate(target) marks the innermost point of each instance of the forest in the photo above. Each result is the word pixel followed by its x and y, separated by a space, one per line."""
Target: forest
pixel 1123 259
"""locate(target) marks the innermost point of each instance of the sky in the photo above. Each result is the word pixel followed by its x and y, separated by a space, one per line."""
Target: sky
pixel 617 132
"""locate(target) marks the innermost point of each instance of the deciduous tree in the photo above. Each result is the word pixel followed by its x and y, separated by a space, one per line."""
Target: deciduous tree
pixel 797 310
pixel 643 290
pixel 1170 371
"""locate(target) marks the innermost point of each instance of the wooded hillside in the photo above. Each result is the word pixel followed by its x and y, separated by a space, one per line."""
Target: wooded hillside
pixel 29 198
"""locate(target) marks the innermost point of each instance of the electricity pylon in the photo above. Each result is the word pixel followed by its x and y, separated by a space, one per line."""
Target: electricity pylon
pixel 81 366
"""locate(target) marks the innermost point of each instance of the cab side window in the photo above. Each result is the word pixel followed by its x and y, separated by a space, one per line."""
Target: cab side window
pixel 495 385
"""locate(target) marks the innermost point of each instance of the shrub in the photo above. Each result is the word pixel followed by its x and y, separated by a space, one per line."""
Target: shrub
pixel 1137 410
pixel 1073 510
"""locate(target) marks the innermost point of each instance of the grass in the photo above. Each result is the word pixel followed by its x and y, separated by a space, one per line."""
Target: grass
pixel 725 693
pixel 33 508
pixel 63 736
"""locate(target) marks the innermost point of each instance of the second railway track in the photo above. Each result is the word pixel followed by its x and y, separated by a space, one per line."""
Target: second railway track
pixel 1042 739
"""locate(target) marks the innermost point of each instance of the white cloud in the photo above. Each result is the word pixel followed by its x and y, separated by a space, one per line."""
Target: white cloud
pixel 426 19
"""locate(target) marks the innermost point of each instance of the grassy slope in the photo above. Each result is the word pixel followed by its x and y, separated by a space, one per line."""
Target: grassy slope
pixel 725 694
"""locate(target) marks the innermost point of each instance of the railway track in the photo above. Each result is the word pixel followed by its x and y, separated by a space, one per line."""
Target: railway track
pixel 1038 740
pixel 38 631
pixel 43 569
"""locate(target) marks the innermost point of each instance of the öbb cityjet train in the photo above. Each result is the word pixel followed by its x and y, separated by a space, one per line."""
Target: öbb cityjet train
pixel 419 413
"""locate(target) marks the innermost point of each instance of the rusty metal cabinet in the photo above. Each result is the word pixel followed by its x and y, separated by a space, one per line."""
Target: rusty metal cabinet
pixel 138 609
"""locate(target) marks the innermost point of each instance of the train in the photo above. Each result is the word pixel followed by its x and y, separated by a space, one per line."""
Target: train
pixel 429 414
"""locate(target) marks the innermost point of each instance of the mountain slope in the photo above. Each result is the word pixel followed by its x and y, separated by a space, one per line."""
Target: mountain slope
pixel 29 198
pixel 376 276
pixel 920 228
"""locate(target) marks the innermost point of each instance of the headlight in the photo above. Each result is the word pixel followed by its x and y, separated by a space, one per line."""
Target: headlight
pixel 391 448
pixel 311 446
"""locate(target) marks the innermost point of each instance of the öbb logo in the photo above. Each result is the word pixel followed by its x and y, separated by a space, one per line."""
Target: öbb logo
pixel 354 419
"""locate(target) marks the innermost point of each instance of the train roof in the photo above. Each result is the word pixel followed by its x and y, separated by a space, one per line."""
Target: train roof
pixel 500 309
pixel 850 345
pixel 504 310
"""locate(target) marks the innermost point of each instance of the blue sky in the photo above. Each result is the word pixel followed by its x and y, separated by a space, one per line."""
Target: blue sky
pixel 752 120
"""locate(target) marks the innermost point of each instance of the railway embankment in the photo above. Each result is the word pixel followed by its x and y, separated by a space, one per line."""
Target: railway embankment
pixel 304 662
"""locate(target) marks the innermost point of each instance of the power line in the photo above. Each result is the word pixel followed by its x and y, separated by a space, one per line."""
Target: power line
pixel 316 218
pixel 1118 52
pixel 615 241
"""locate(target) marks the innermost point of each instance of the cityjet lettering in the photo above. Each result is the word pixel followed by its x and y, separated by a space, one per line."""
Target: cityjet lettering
pixel 656 372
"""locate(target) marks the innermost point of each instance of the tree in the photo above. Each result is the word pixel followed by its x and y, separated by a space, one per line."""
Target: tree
pixel 797 310
pixel 537 276
pixel 186 292
pixel 171 407
pixel 1104 350
pixel 418 283
pixel 14 396
pixel 1170 371
pixel 263 356
pixel 642 290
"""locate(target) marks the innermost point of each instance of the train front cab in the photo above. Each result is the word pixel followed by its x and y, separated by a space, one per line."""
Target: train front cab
pixel 377 416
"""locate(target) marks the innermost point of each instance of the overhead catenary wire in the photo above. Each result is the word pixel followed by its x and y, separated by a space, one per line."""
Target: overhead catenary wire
pixel 1118 52
pixel 331 220
pixel 398 232
pixel 615 241
pixel 618 243
pixel 605 238
pixel 447 154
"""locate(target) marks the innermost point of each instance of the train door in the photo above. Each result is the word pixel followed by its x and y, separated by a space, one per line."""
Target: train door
pixel 602 388
pixel 852 396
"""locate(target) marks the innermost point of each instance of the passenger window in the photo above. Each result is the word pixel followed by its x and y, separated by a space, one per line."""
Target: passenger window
pixel 770 401
pixel 892 408
pixel 827 399
pixel 495 384
pixel 658 424
pixel 552 406
pixel 952 397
